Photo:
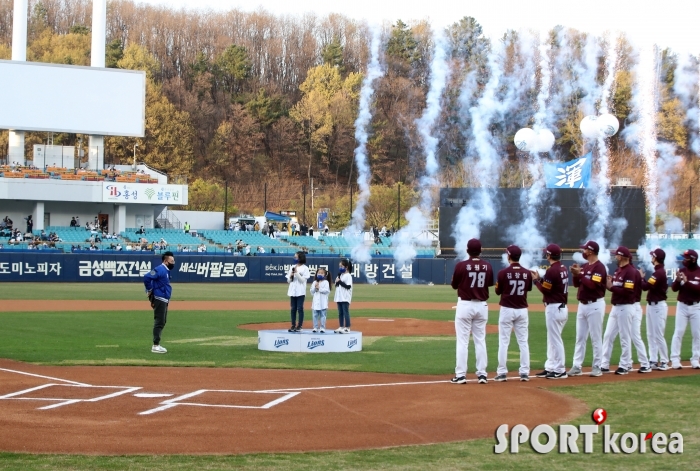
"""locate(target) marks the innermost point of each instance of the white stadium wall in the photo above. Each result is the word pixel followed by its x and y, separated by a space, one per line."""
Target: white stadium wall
pixel 73 99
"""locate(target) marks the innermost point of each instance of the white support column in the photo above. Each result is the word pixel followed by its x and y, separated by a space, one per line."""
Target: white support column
pixel 119 218
pixel 38 215
pixel 97 59
pixel 15 152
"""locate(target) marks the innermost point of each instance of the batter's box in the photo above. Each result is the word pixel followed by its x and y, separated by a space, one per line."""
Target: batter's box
pixel 225 398
pixel 65 394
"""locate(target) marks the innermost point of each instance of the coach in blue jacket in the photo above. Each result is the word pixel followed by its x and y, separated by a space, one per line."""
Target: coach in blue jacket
pixel 158 289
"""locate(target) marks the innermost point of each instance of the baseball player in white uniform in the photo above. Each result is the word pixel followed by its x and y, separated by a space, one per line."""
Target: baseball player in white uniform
pixel 590 279
pixel 687 285
pixel 657 311
pixel 471 279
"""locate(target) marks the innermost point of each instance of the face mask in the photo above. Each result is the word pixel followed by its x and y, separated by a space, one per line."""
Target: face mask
pixel 170 266
pixel 341 269
pixel 296 260
pixel 320 277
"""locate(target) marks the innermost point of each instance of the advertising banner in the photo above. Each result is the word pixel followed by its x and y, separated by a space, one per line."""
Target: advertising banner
pixel 144 193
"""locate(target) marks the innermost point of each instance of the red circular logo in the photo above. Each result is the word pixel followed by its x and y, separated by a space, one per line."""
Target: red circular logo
pixel 599 416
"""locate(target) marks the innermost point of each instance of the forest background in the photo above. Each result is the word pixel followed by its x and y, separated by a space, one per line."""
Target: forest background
pixel 264 105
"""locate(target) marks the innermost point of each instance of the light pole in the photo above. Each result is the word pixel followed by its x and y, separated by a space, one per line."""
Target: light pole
pixel 135 146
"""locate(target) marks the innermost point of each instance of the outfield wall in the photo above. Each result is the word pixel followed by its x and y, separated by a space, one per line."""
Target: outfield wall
pixel 120 267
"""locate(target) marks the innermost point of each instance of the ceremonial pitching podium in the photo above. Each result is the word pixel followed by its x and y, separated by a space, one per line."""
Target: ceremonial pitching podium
pixel 309 342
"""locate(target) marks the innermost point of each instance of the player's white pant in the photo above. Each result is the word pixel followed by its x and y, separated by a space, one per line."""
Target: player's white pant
pixel 511 319
pixel 686 314
pixel 471 318
pixel 555 317
pixel 636 335
pixel 589 320
pixel 656 332
pixel 619 323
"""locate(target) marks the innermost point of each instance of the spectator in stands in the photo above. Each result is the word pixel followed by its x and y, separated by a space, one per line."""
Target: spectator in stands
pixel 77 221
pixel 229 248
pixel 246 250
pixel 256 227
pixel 383 231
pixel 311 231
pixel 43 235
pixel 92 246
pixel 163 243
pixel 73 223
pixel 187 227
pixel 118 248
pixel 378 240
pixel 7 223
pixel 1 247
pixel 30 224
pixel 202 248
pixel 261 249
pixel 129 248
pixel 141 231
pixel 325 229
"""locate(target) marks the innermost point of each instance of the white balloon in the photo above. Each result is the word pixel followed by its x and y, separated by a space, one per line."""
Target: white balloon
pixel 608 125
pixel 590 127
pixel 543 142
pixel 524 139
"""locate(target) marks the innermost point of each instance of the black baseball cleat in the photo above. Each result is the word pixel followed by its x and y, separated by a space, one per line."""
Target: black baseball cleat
pixel 644 369
pixel 553 375
pixel 621 371
pixel 459 380
pixel 292 329
pixel 524 377
pixel 542 374
pixel 605 370
pixel 653 365
pixel 482 380
pixel 500 378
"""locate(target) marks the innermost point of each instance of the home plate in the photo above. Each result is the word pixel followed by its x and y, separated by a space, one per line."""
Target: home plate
pixel 381 320
pixel 148 395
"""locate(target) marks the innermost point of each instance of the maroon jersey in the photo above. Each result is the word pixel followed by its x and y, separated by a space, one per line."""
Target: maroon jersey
pixel 554 286
pixel 472 279
pixel 656 285
pixel 638 286
pixel 689 293
pixel 624 284
pixel 591 282
pixel 513 284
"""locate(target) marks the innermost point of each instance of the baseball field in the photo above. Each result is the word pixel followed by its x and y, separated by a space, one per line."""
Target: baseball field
pixel 80 389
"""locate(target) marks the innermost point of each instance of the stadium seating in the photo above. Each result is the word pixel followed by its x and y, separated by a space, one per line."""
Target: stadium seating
pixel 58 173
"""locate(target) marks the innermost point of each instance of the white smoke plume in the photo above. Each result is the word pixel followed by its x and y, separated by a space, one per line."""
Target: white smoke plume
pixel 598 195
pixel 527 234
pixel 641 134
pixel 480 207
pixel 587 71
pixel 685 86
pixel 418 216
pixel 361 252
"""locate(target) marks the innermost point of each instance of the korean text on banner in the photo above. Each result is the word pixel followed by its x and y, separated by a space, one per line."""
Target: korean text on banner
pixel 116 192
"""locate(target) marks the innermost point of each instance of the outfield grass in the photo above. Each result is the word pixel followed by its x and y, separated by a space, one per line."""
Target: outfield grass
pixel 668 405
pixel 243 292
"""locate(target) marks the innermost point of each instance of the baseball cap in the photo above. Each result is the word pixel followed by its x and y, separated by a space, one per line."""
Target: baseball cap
pixel 659 254
pixel 514 251
pixel 553 249
pixel 623 252
pixel 592 246
pixel 474 246
pixel 690 254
